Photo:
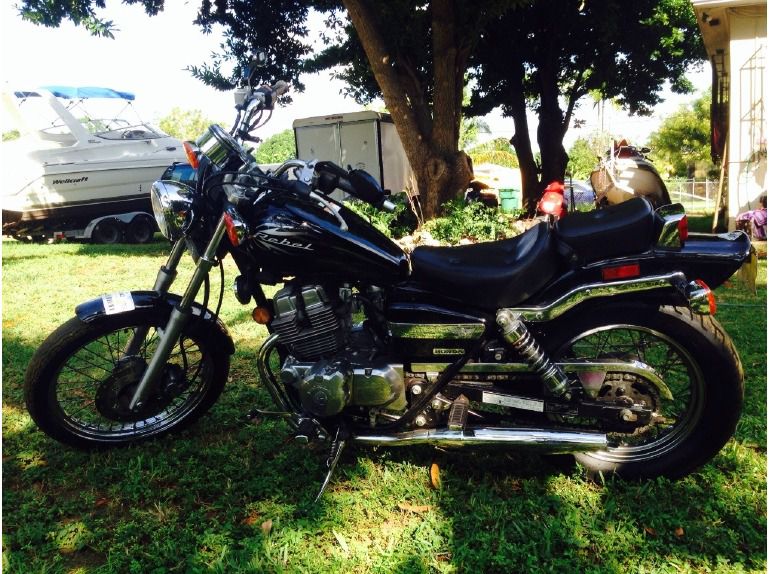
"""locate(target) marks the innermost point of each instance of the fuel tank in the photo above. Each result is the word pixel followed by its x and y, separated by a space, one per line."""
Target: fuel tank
pixel 294 237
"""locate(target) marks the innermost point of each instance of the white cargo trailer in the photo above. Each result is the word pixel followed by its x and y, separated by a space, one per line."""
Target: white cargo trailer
pixel 362 140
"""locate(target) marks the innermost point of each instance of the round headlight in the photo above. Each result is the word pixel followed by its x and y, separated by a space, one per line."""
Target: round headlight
pixel 172 204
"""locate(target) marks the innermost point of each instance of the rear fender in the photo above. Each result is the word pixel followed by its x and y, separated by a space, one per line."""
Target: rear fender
pixel 712 258
pixel 129 301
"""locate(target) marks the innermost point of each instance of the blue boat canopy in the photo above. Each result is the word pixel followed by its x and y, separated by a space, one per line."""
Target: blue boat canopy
pixel 77 93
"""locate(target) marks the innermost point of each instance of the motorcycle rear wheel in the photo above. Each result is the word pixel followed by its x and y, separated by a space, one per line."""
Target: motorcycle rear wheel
pixel 78 383
pixel 698 362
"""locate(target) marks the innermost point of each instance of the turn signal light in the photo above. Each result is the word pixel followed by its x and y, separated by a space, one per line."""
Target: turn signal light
pixel 709 296
pixel 192 154
pixel 261 315
pixel 621 272
pixel 236 228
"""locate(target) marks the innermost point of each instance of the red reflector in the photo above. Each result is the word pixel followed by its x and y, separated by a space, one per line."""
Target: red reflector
pixel 710 295
pixel 232 233
pixel 683 229
pixel 551 203
pixel 192 154
pixel 621 272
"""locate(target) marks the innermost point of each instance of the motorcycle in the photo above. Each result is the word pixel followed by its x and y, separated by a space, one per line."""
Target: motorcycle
pixel 592 335
pixel 626 172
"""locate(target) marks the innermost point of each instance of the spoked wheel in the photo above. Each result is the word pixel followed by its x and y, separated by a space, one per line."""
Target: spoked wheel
pixel 698 363
pixel 81 380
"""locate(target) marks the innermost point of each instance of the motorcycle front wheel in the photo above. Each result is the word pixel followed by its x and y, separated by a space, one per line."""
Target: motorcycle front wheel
pixel 699 365
pixel 80 380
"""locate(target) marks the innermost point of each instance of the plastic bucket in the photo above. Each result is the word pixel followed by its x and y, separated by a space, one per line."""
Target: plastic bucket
pixel 510 200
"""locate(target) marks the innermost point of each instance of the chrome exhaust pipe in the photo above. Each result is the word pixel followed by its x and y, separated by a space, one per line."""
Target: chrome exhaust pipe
pixel 544 440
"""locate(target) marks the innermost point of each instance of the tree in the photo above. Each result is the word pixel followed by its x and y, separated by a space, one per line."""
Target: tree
pixel 682 143
pixel 497 151
pixel 277 148
pixel 584 154
pixel 559 51
pixel 417 57
pixel 184 124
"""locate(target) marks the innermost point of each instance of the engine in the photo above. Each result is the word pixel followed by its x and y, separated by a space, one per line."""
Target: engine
pixel 332 363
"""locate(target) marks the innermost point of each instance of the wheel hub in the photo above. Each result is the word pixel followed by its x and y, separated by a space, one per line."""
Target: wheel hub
pixel 114 394
pixel 634 393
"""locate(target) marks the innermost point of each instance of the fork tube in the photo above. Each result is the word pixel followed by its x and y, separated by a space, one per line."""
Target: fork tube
pixel 166 275
pixel 178 318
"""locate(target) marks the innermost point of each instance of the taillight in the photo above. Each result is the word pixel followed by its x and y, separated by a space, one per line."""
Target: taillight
pixel 193 157
pixel 621 272
pixel 551 203
pixel 683 230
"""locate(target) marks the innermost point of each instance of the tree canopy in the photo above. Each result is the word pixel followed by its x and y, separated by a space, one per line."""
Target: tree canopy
pixel 277 148
pixel 681 146
pixel 542 55
pixel 184 124
pixel 556 52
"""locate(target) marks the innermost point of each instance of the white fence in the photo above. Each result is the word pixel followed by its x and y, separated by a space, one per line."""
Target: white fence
pixel 696 196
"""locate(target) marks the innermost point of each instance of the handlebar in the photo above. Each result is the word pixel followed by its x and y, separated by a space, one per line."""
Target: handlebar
pixel 357 182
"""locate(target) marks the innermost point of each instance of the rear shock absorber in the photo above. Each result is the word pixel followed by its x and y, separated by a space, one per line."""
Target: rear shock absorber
pixel 515 332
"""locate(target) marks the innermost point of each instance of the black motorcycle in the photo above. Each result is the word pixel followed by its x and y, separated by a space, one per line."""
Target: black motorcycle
pixel 592 335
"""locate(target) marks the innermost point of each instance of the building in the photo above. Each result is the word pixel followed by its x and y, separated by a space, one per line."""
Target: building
pixel 735 36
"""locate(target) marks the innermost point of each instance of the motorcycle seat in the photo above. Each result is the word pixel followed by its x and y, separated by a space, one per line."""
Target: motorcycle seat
pixel 621 229
pixel 489 275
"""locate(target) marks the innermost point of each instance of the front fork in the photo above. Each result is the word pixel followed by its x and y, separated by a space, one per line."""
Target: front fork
pixel 179 315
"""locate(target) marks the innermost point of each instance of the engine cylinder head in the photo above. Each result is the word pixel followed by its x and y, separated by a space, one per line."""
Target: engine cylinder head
pixel 309 322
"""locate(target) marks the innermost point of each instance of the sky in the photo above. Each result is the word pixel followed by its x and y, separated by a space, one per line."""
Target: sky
pixel 149 55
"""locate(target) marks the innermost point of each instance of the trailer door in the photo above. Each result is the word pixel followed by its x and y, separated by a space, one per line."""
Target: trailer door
pixel 318 142
pixel 360 147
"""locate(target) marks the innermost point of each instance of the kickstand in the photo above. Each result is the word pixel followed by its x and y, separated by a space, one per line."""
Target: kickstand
pixel 338 444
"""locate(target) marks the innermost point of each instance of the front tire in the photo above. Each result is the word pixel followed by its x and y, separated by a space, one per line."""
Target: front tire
pixel 79 381
pixel 695 358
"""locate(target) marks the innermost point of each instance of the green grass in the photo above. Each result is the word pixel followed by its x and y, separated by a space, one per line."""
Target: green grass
pixel 225 496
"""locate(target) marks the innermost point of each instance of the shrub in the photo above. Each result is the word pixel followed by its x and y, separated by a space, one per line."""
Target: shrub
pixel 473 221
pixel 394 224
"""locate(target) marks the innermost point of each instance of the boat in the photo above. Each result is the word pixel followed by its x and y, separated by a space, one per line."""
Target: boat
pixel 627 172
pixel 79 171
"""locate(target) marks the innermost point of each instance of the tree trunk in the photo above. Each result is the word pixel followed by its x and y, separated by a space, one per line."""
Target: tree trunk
pixel 530 182
pixel 442 178
pixel 441 170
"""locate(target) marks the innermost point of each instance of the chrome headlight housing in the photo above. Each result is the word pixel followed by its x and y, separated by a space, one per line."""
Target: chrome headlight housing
pixel 172 205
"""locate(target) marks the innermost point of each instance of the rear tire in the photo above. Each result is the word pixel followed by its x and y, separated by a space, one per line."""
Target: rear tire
pixel 695 358
pixel 79 381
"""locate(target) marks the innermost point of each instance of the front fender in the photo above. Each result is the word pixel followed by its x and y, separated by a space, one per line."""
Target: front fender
pixel 130 301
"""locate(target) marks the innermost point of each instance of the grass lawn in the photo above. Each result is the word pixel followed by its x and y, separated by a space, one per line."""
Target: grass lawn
pixel 225 496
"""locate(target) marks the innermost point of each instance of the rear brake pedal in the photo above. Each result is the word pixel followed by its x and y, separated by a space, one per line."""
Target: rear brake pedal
pixel 458 413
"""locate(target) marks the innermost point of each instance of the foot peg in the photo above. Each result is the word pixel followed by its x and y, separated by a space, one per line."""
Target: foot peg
pixel 458 413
